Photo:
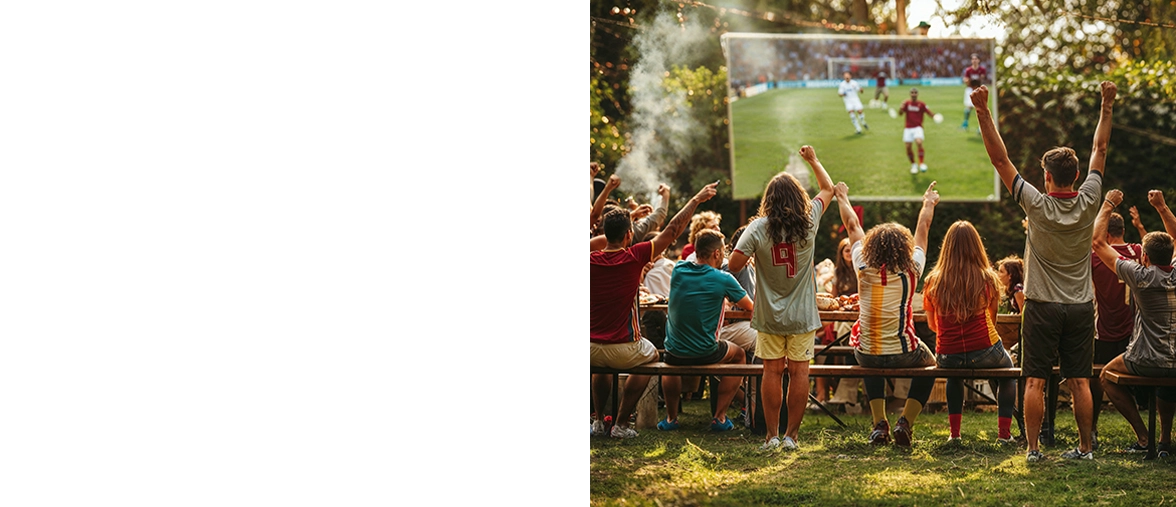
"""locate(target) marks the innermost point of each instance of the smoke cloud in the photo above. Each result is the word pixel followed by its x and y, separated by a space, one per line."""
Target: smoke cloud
pixel 662 127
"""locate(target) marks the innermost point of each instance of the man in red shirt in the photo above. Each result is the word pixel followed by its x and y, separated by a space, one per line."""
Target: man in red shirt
pixel 881 90
pixel 1115 317
pixel 914 109
pixel 614 329
pixel 974 76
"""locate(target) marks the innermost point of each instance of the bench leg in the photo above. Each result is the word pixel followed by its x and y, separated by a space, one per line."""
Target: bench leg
pixel 713 384
pixel 826 410
pixel 616 397
pixel 1019 415
pixel 1151 423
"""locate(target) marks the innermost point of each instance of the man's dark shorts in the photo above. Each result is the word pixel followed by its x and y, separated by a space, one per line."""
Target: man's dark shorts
pixel 1165 393
pixel 1104 352
pixel 1057 333
pixel 717 356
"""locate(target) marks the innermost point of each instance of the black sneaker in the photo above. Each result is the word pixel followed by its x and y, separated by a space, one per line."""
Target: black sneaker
pixel 881 433
pixel 1034 456
pixel 1135 447
pixel 1163 450
pixel 1094 440
pixel 1076 454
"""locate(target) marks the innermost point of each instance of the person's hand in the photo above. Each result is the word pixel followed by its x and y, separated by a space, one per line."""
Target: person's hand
pixel 1114 197
pixel 931 196
pixel 808 153
pixel 642 211
pixel 980 97
pixel 1156 198
pixel 1135 217
pixel 614 181
pixel 706 193
pixel 841 190
pixel 664 191
pixel 1108 91
pixel 593 168
pixel 644 270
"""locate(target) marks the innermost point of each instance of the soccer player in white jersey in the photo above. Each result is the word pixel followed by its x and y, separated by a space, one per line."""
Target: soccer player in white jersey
pixel 849 91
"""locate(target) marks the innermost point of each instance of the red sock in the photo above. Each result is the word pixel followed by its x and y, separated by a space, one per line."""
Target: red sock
pixel 920 155
pixel 1002 425
pixel 954 421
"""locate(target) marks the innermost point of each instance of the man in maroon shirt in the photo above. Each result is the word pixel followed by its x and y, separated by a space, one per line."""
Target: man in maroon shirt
pixel 974 76
pixel 1115 315
pixel 614 329
pixel 914 109
pixel 880 90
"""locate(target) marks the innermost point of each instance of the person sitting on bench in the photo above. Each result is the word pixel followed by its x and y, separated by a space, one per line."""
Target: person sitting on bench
pixel 700 289
pixel 960 297
pixel 889 263
pixel 1152 350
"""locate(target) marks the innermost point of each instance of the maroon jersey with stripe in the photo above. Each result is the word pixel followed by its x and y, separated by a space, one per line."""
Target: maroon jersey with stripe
pixel 614 281
pixel 914 113
pixel 975 76
pixel 1115 315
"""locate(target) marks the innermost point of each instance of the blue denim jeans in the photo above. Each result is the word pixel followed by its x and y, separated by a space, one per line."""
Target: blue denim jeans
pixel 920 386
pixel 991 357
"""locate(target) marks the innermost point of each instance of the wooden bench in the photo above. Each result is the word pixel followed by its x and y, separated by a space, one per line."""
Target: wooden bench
pixel 1149 385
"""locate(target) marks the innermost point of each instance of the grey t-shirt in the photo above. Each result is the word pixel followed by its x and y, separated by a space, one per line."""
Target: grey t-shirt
pixel 785 288
pixel 1057 249
pixel 1153 340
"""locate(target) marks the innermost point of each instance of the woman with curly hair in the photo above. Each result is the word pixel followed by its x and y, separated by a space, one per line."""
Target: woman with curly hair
pixel 781 239
pixel 889 263
pixel 960 296
pixel 698 223
pixel 1012 277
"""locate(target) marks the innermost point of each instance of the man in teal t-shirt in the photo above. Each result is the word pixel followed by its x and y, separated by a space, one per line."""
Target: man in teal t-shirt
pixel 699 292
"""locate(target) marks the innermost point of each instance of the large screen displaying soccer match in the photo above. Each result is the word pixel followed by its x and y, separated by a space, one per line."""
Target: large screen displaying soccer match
pixel 887 115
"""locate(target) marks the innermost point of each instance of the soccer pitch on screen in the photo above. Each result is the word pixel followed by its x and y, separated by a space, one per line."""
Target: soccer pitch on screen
pixel 784 94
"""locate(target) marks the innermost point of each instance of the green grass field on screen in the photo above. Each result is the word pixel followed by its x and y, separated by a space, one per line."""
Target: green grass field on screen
pixel 767 127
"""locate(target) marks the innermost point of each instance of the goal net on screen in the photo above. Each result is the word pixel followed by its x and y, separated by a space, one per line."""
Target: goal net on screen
pixel 861 68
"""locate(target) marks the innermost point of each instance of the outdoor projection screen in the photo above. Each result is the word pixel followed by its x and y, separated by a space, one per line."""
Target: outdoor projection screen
pixel 783 93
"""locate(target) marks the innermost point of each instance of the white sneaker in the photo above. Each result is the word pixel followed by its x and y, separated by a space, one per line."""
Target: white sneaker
pixel 923 167
pixel 788 443
pixel 623 432
pixel 774 443
pixel 598 428
pixel 914 168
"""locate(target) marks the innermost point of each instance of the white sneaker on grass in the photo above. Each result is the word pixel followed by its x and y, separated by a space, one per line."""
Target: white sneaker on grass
pixel 774 443
pixel 914 168
pixel 598 428
pixel 623 432
pixel 788 443
pixel 1076 454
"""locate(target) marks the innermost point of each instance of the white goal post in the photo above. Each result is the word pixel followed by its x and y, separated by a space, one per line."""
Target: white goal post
pixel 836 65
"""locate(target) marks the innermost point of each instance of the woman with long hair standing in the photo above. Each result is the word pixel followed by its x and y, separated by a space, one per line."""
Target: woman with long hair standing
pixel 960 296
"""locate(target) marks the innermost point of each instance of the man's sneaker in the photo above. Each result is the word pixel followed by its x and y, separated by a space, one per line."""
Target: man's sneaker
pixel 726 425
pixel 667 425
pixel 881 433
pixel 623 432
pixel 788 443
pixel 914 168
pixel 1006 441
pixel 866 125
pixel 955 441
pixel 923 168
pixel 774 443
pixel 1076 454
pixel 902 433
pixel 1135 447
pixel 1034 456
pixel 598 428
pixel 1163 450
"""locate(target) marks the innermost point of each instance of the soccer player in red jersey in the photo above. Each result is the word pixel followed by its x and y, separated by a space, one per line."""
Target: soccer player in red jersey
pixel 974 76
pixel 914 109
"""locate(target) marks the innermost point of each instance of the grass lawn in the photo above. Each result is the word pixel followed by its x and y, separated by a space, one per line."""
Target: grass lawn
pixel 835 466
pixel 768 127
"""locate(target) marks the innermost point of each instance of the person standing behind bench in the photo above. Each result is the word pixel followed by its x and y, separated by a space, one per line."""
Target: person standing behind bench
pixel 1058 317
pixel 1114 315
pixel 614 333
pixel 695 315
pixel 960 296
pixel 1152 350
pixel 889 263
pixel 782 240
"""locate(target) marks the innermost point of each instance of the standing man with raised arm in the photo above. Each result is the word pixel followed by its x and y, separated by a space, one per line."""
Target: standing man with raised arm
pixel 781 239
pixel 614 332
pixel 1058 318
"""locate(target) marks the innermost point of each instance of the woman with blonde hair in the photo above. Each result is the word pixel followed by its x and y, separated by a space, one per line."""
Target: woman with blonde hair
pixel 698 223
pixel 889 263
pixel 960 296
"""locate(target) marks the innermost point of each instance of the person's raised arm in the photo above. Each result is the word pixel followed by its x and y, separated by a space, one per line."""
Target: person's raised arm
pixel 1102 249
pixel 614 181
pixel 1102 133
pixel 678 224
pixel 663 207
pixel 823 180
pixel 1137 222
pixel 1156 198
pixel 930 199
pixel 993 144
pixel 848 218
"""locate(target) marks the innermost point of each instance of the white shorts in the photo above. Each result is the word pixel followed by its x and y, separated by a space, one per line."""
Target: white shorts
pixel 853 104
pixel 968 98
pixel 909 135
